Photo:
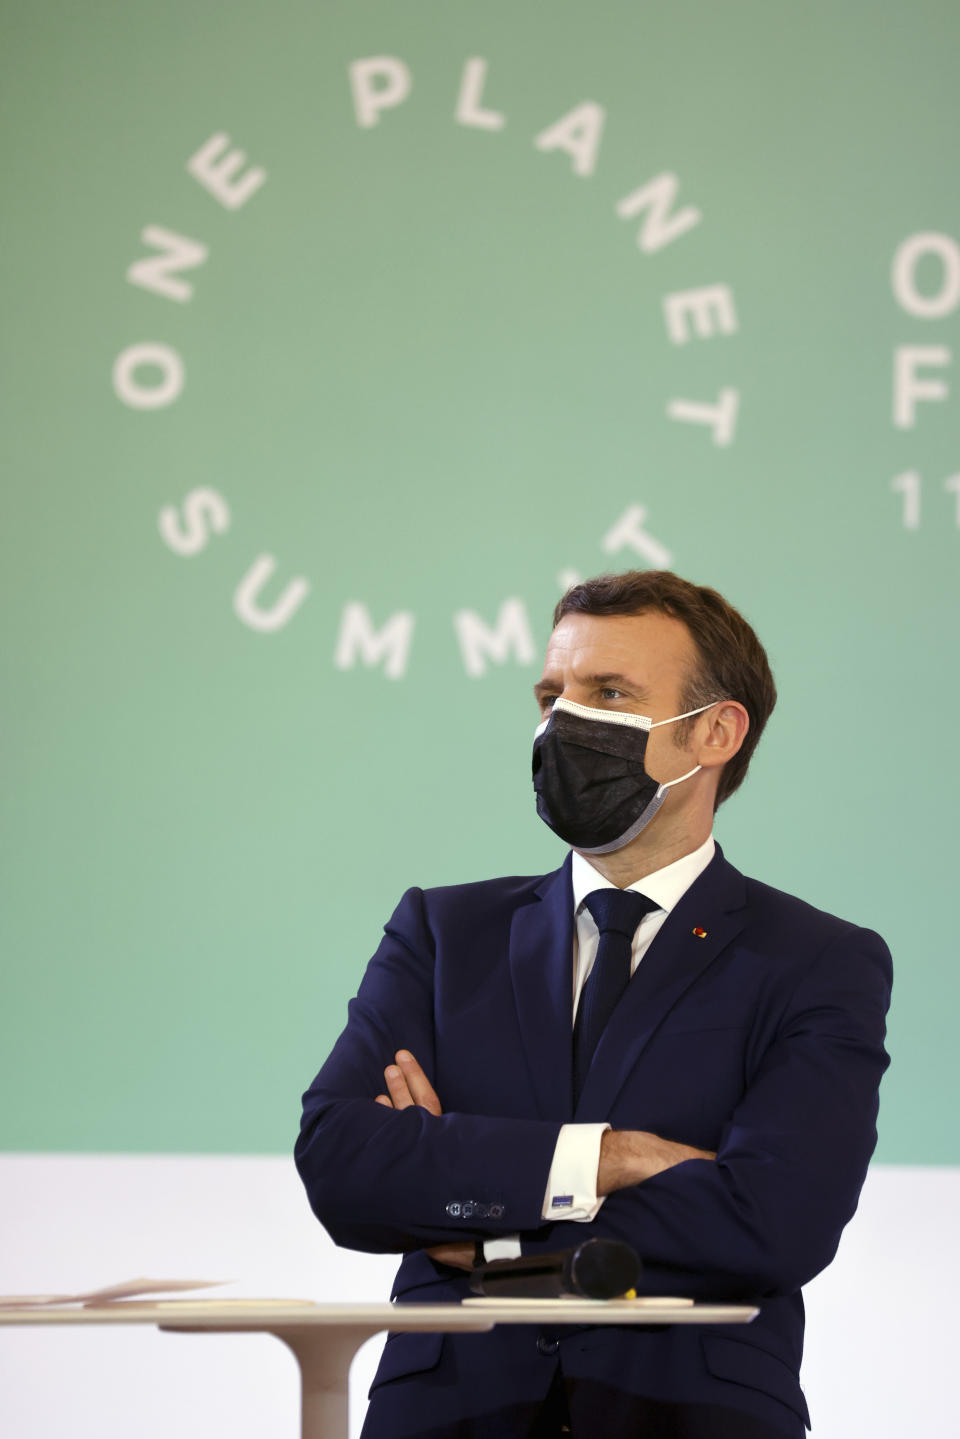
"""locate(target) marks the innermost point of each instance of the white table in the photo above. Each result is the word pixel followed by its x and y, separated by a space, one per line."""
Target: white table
pixel 325 1337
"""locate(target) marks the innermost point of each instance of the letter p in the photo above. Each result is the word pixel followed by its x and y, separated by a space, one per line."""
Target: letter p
pixel 378 83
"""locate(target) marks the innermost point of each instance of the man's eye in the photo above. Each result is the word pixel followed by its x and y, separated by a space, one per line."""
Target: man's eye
pixel 611 694
pixel 546 701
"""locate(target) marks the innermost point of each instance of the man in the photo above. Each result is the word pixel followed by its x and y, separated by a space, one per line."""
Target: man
pixel 504 1081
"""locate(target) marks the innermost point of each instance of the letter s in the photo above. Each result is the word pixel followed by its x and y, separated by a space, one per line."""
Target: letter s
pixel 193 535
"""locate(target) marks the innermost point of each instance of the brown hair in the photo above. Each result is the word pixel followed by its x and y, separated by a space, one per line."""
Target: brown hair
pixel 732 662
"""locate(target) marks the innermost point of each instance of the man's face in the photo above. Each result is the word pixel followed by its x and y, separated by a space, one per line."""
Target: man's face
pixel 634 663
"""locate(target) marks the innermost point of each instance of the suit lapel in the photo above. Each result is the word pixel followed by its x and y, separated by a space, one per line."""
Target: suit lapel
pixel 714 903
pixel 541 968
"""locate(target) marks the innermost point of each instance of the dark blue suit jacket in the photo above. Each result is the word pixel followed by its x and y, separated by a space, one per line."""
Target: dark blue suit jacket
pixel 762 1041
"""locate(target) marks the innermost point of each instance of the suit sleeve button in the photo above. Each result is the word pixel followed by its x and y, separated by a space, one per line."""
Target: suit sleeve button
pixel 547 1344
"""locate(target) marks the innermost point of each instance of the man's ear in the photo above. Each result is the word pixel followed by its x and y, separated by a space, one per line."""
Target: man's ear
pixel 727 727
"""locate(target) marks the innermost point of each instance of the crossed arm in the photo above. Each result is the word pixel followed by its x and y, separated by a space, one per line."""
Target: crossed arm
pixel 761 1217
pixel 627 1156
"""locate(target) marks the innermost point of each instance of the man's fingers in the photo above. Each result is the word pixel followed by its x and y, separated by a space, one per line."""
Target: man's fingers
pixel 418 1085
pixel 458 1256
pixel 400 1095
pixel 407 1084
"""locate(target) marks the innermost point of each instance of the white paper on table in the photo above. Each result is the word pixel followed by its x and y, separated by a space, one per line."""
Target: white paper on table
pixel 653 1301
pixel 129 1289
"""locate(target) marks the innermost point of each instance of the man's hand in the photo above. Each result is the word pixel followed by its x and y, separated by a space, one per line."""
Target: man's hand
pixel 407 1084
pixel 458 1256
pixel 628 1156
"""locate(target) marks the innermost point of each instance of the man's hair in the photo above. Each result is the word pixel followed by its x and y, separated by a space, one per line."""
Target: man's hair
pixel 732 663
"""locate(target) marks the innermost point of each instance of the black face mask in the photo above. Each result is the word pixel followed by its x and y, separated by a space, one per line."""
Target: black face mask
pixel 589 778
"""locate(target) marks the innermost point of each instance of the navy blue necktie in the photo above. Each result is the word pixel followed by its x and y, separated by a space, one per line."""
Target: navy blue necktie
pixel 617 913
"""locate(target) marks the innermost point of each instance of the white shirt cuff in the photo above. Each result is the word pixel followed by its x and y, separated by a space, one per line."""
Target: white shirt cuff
pixel 507 1247
pixel 572 1182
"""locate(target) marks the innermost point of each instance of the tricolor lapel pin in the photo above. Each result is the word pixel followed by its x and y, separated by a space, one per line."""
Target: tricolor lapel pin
pixel 700 933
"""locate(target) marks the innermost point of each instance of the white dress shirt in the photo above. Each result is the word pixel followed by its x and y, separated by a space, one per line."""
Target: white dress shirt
pixel 571 1191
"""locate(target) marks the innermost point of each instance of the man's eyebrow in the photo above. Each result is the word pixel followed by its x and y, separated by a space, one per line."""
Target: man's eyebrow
pixel 547 684
pixel 617 679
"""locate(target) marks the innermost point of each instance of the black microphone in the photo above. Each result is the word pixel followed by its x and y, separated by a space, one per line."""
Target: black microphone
pixel 596 1269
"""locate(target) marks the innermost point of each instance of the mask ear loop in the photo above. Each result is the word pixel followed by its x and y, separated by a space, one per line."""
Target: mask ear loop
pixel 673 719
pixel 669 783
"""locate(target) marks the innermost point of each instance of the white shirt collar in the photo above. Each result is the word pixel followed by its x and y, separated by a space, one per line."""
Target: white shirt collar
pixel 666 886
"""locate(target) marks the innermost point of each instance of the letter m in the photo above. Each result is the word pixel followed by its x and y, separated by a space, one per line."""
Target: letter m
pixel 479 643
pixel 359 640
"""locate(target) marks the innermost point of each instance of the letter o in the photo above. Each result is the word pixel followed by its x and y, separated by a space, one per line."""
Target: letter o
pixel 903 275
pixel 134 392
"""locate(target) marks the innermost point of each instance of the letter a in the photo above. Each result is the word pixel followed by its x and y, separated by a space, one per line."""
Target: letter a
pixel 579 134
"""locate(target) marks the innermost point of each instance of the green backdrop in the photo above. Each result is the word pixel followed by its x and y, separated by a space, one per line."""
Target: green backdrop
pixel 426 367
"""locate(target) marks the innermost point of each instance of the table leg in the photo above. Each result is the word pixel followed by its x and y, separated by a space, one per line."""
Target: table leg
pixel 324 1356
